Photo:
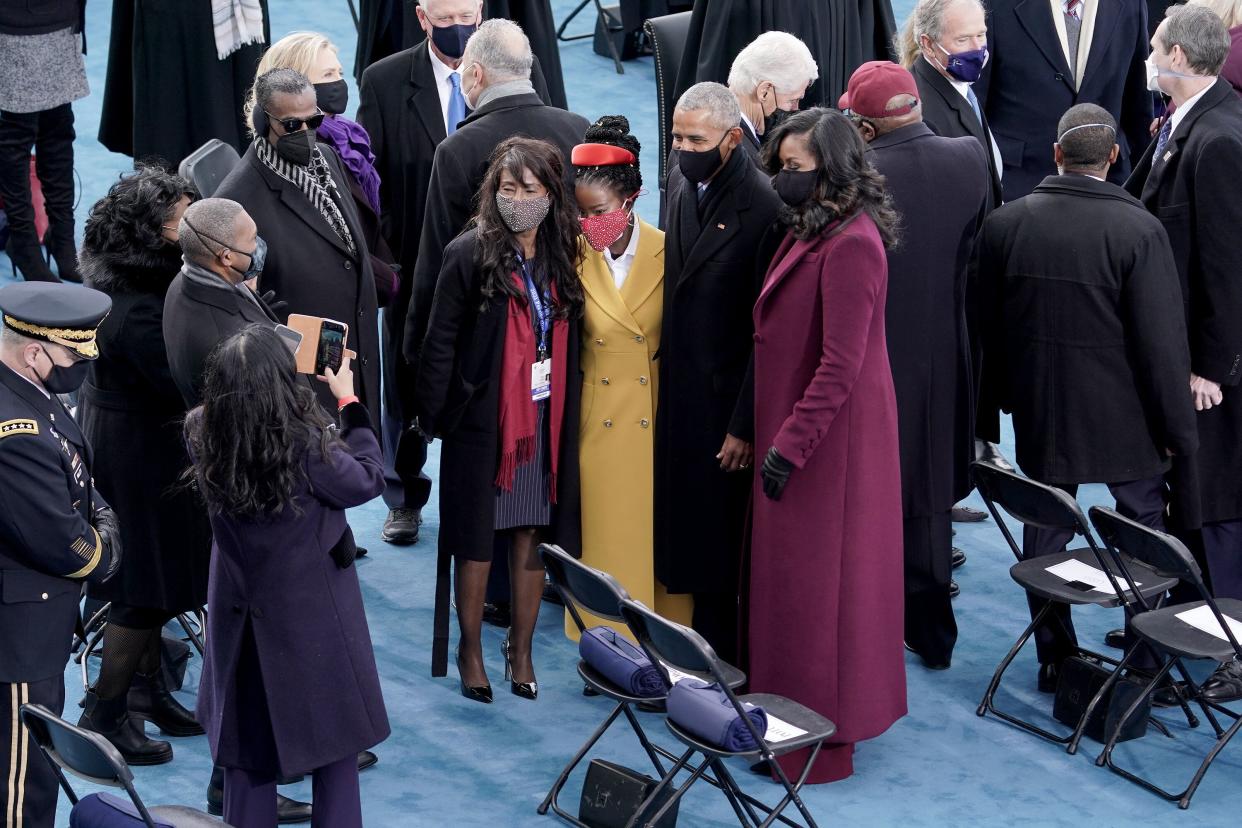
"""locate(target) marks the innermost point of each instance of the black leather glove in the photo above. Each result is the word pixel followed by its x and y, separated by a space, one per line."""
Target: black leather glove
pixel 775 473
pixel 109 529
pixel 277 308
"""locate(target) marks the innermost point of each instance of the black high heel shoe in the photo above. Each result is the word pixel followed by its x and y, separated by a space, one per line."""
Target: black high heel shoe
pixel 524 689
pixel 480 693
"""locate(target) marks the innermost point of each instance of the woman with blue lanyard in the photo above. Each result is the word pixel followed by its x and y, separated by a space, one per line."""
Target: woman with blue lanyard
pixel 499 383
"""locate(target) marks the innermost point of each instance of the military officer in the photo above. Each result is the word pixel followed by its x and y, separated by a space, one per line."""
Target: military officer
pixel 55 529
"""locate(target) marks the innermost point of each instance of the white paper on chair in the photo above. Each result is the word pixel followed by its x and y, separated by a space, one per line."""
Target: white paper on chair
pixel 780 730
pixel 1074 570
pixel 1201 618
pixel 675 675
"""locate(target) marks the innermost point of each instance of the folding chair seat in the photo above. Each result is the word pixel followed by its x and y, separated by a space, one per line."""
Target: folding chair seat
pixel 1047 507
pixel 1170 632
pixel 680 648
pixel 91 757
pixel 584 588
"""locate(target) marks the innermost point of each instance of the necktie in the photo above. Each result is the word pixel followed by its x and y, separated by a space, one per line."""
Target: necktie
pixel 1073 28
pixel 457 104
pixel 974 103
pixel 1162 140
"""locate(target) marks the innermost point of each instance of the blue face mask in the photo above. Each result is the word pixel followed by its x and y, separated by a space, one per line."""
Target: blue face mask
pixel 965 66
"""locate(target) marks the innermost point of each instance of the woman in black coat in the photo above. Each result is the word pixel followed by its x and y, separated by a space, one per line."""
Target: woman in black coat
pixel 499 383
pixel 131 411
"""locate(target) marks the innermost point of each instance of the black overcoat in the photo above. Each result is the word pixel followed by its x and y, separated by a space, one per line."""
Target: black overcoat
pixel 166 92
pixel 130 410
pixel 458 396
pixel 197 318
pixel 1088 322
pixel 457 172
pixel 713 270
pixel 309 266
pixel 939 187
pixel 948 114
pixel 1193 190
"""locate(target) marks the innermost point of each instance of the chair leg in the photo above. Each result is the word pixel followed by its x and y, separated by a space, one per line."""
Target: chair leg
pixel 791 791
pixel 1095 701
pixel 987 704
pixel 549 801
pixel 728 785
pixel 189 631
pixel 655 818
pixel 612 46
pixel 663 783
pixel 1184 801
pixel 1105 757
pixel 652 753
pixel 560 30
pixel 1191 719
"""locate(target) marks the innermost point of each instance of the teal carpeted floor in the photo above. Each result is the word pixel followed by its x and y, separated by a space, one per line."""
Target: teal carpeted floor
pixel 450 762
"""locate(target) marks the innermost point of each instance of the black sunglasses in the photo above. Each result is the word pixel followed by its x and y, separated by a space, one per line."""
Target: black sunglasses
pixel 295 124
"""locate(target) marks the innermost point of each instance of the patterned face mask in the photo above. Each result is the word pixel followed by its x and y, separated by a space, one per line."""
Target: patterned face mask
pixel 520 216
pixel 605 229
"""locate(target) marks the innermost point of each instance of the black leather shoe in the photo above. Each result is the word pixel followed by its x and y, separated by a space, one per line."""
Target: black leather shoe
pixel 481 693
pixel 288 811
pixel 930 665
pixel 954 589
pixel 367 759
pixel 1049 674
pixel 149 699
pixel 1225 685
pixel 957 558
pixel 401 526
pixel 1170 695
pixel 498 614
pixel 551 595
pixel 990 453
pixel 522 689
pixel 360 552
pixel 110 719
pixel 965 514
pixel 1115 639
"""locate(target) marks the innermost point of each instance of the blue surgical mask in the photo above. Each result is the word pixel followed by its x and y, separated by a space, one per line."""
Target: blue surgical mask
pixel 965 66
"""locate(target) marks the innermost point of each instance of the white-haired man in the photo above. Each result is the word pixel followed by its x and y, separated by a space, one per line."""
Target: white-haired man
pixel 769 79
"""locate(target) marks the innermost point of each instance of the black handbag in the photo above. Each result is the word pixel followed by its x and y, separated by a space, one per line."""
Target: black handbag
pixel 612 793
pixel 1080 680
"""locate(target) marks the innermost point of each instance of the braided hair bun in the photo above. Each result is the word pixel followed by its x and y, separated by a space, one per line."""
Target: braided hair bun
pixel 625 179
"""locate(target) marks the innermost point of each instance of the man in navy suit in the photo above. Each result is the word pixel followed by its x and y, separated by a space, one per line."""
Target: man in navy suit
pixel 1047 56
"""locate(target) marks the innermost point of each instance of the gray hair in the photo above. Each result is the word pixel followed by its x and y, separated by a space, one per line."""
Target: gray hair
pixel 716 99
pixel 1201 34
pixel 207 227
pixel 1086 134
pixel 927 18
pixel 776 57
pixel 278 82
pixel 501 48
pixel 12 340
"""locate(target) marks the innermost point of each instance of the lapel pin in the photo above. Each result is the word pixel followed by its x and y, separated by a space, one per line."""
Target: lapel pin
pixel 1168 154
pixel 720 227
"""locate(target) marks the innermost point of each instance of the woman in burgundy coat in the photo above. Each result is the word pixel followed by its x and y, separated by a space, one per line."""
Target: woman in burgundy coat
pixel 826 568
pixel 289 683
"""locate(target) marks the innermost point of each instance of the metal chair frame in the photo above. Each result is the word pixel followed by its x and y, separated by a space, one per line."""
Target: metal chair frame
pixel 601 15
pixel 88 640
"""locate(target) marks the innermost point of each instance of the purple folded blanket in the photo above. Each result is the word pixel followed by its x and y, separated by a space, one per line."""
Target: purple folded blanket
pixel 705 710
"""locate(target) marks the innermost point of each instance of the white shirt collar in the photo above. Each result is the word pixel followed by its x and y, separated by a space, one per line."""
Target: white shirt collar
pixel 620 265
pixel 750 124
pixel 444 87
pixel 1184 110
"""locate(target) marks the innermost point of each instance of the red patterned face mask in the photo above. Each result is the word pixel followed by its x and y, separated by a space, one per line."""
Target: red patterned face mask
pixel 603 230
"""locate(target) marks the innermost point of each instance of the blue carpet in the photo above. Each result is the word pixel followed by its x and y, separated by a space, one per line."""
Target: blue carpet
pixel 455 763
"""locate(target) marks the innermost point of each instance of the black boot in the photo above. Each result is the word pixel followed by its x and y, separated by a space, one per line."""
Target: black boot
pixel 54 166
pixel 288 811
pixel 150 699
pixel 110 719
pixel 26 254
pixel 60 243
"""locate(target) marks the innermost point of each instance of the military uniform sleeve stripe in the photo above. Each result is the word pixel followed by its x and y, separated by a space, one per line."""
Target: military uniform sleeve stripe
pixel 95 555
pixel 10 427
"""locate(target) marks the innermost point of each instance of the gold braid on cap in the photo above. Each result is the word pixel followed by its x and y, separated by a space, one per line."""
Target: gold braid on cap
pixel 76 339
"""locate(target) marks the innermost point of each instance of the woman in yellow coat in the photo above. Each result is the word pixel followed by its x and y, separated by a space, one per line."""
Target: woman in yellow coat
pixel 622 278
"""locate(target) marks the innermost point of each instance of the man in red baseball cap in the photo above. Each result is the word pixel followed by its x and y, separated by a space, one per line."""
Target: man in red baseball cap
pixel 873 90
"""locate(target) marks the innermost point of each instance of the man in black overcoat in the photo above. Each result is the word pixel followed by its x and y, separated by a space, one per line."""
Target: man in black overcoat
pixel 719 211
pixel 940 188
pixel 1188 178
pixel 1090 329
pixel 408 109
pixel 496 84
pixel 297 192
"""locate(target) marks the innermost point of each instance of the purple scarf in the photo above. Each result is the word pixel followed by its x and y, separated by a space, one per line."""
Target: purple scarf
pixel 353 145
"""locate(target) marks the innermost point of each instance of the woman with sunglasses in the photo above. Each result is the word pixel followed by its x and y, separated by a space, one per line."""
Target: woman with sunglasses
pixel 297 191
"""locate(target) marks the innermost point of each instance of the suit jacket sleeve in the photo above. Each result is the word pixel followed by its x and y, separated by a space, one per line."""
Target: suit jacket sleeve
pixel 351 474
pixel 742 423
pixel 144 327
pixel 1137 104
pixel 438 355
pixel 850 285
pixel 985 280
pixel 1216 335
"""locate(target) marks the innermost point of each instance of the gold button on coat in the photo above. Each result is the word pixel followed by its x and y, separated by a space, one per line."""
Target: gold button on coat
pixel 607 423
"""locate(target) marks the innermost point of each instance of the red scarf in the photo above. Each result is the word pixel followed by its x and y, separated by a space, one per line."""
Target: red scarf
pixel 518 416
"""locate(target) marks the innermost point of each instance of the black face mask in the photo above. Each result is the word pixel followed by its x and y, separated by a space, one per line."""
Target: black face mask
pixel 451 40
pixel 697 167
pixel 332 97
pixel 64 379
pixel 795 187
pixel 295 147
pixel 771 122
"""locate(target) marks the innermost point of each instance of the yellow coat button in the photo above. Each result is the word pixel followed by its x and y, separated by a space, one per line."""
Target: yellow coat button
pixel 603 381
pixel 642 380
pixel 607 423
pixel 638 339
pixel 599 342
pixel 644 422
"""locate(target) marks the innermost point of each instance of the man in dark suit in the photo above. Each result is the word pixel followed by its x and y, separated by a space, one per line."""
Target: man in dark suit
pixel 1090 329
pixel 1189 179
pixel 296 191
pixel 496 83
pixel 1046 56
pixel 56 531
pixel 769 78
pixel 720 208
pixel 940 188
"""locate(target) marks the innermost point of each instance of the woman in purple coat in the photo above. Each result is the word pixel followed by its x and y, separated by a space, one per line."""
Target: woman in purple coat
pixel 826 567
pixel 289 683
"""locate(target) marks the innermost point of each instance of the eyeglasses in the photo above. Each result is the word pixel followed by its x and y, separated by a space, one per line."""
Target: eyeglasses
pixel 295 124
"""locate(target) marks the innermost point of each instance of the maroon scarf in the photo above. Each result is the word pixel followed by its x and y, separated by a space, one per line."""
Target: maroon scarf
pixel 518 417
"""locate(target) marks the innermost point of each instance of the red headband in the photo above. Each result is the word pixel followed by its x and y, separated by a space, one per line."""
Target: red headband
pixel 601 155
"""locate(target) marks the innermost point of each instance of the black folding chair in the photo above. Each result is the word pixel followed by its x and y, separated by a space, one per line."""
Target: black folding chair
pixel 582 588
pixel 603 19
pixel 208 165
pixel 672 645
pixel 668 34
pixel 1047 507
pixel 87 640
pixel 1170 636
pixel 91 757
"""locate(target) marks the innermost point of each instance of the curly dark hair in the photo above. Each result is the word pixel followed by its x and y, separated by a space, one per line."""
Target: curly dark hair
pixel 130 216
pixel 847 181
pixel 557 247
pixel 250 435
pixel 623 179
